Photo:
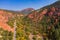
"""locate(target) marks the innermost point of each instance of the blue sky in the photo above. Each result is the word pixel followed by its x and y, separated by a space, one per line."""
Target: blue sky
pixel 22 4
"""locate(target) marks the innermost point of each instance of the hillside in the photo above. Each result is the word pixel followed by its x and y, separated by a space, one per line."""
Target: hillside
pixel 5 16
pixel 52 9
pixel 47 20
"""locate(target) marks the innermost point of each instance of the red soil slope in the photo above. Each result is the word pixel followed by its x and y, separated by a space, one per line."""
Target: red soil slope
pixel 3 19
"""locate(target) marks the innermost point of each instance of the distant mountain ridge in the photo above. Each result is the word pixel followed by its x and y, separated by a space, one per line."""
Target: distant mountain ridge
pixel 27 10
